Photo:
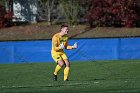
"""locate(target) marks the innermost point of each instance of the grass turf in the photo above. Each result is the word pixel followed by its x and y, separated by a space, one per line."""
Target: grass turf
pixel 85 77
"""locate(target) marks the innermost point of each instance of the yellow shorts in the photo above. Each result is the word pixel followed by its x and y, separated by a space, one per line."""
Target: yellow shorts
pixel 58 57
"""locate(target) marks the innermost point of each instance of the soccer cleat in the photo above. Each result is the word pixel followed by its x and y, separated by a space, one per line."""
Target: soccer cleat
pixel 66 80
pixel 55 77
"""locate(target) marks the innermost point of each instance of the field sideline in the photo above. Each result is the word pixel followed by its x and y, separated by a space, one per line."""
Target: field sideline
pixel 85 77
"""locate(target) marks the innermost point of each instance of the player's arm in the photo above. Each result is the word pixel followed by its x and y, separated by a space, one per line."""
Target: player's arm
pixel 70 47
pixel 55 43
pixel 67 46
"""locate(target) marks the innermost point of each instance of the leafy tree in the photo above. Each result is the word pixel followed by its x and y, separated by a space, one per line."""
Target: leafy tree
pixel 2 2
pixel 70 9
pixel 5 15
pixel 111 13
pixel 45 9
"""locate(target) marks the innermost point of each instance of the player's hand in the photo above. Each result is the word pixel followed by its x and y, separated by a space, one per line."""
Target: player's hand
pixel 61 46
pixel 75 45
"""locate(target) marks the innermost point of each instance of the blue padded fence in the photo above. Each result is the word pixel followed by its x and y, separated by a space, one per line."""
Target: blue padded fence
pixel 88 49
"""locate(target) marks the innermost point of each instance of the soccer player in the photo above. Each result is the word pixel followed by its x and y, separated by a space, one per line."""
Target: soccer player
pixel 59 43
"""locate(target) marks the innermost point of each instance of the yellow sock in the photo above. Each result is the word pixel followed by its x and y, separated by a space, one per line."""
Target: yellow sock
pixel 66 73
pixel 57 69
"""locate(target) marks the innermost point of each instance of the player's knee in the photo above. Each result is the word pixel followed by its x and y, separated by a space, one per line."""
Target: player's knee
pixel 67 64
pixel 61 63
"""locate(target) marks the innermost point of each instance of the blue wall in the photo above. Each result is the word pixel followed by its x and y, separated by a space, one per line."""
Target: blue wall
pixel 88 49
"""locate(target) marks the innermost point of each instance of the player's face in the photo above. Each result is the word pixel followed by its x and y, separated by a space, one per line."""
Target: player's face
pixel 65 30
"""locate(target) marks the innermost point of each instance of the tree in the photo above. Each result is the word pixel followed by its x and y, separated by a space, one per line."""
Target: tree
pixel 2 2
pixel 112 13
pixel 5 15
pixel 45 9
pixel 70 9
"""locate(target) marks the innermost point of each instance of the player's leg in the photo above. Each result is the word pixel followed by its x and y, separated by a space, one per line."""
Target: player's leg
pixel 59 65
pixel 58 59
pixel 67 67
pixel 66 70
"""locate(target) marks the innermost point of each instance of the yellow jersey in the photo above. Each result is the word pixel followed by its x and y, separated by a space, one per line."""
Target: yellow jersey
pixel 56 41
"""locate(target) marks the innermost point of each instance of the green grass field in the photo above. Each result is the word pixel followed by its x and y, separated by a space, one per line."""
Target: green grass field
pixel 85 77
